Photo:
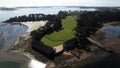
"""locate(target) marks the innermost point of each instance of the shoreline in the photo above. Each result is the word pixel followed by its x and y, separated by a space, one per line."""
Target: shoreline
pixel 34 25
pixel 31 27
pixel 20 49
pixel 23 46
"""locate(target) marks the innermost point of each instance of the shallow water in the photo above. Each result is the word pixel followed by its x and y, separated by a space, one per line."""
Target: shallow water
pixel 9 34
pixel 111 32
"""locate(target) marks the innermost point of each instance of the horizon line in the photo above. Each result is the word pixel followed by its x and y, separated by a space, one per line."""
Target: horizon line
pixel 54 6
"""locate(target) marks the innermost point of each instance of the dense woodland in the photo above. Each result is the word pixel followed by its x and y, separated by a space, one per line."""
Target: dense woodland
pixel 38 17
pixel 89 22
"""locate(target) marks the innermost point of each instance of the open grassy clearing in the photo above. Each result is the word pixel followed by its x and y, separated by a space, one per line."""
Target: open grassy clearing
pixel 67 33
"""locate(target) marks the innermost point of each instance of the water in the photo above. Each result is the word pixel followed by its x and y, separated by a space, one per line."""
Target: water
pixel 4 15
pixel 9 64
pixel 9 34
pixel 111 32
pixel 13 60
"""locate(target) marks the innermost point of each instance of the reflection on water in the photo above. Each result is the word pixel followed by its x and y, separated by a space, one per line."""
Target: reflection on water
pixel 9 34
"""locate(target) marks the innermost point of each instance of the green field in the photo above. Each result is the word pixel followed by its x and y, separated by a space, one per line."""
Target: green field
pixel 57 38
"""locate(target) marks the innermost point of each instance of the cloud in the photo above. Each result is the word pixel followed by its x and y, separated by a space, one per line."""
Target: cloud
pixel 59 2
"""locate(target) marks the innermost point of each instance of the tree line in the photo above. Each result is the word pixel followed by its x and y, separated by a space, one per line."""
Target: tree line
pixel 37 17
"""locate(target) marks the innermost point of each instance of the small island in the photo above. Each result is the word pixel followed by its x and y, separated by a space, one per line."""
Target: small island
pixel 7 9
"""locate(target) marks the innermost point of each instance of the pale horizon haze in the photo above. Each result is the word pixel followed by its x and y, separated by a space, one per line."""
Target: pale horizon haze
pixel 19 3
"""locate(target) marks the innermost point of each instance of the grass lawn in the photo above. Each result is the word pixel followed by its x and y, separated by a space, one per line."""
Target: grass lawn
pixel 67 33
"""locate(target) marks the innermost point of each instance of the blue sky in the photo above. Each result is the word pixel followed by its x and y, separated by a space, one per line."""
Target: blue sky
pixel 14 3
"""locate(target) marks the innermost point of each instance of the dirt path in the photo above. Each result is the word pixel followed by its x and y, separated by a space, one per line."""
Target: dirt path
pixel 58 48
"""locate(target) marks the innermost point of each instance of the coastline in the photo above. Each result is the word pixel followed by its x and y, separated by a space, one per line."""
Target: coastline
pixel 23 46
pixel 23 42
pixel 33 25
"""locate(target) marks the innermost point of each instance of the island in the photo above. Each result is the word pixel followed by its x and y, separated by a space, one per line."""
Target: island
pixel 68 38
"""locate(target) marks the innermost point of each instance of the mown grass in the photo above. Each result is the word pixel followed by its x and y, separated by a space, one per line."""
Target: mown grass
pixel 57 38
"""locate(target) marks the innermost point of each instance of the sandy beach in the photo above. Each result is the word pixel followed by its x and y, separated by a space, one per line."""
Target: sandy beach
pixel 34 25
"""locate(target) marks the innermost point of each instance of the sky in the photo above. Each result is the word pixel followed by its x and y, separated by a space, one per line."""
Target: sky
pixel 17 3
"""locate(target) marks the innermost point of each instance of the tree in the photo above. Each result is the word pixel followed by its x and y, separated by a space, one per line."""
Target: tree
pixel 89 22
